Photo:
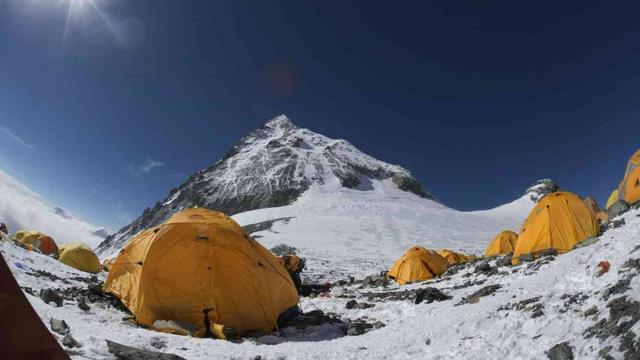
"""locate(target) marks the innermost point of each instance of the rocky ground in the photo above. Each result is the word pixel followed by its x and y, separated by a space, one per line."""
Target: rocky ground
pixel 583 305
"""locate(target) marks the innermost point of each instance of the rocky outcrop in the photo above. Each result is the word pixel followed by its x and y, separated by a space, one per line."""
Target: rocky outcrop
pixel 540 189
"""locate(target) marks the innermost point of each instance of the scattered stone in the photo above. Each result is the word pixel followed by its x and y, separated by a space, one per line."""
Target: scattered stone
pixel 70 342
pixel 619 207
pixel 619 308
pixel 50 296
pixel 427 342
pixel 475 297
pixel 616 224
pixel 537 313
pixel 526 258
pixel 59 326
pixel 562 351
pixel 604 353
pixel 504 260
pixel 359 327
pixel 621 286
pixel 83 305
pixel 47 275
pixel 482 267
pixel 430 295
pixel 123 352
pixel 353 304
pixel 158 343
pixel 591 311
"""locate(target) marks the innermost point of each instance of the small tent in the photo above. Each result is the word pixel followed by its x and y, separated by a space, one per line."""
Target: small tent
pixel 629 189
pixel 201 271
pixel 600 215
pixel 559 221
pixel 23 335
pixel 417 264
pixel 453 257
pixel 80 256
pixel 503 243
pixel 35 240
pixel 612 198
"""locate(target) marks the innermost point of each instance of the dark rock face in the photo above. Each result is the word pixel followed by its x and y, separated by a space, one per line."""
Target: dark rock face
pixel 618 208
pixel 123 352
pixel 560 351
pixel 540 189
pixel 271 166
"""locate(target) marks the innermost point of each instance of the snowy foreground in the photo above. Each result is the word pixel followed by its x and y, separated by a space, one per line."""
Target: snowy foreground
pixel 513 312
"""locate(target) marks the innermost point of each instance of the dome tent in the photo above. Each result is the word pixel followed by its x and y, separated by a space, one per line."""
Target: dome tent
pixel 417 264
pixel 453 257
pixel 80 257
pixel 559 221
pixel 200 271
pixel 503 243
pixel 629 189
pixel 612 198
pixel 35 240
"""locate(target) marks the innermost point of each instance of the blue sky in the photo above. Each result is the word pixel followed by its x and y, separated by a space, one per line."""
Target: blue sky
pixel 105 108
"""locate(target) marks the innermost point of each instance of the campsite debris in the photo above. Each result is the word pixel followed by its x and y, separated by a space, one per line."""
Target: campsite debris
pixel 123 352
pixel 70 342
pixel 603 268
pixel 618 208
pixel 59 326
pixel 50 296
pixel 561 351
pixel 430 295
pixel 353 304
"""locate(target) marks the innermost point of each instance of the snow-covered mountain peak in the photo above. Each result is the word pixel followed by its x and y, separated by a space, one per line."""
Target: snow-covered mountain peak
pixel 272 166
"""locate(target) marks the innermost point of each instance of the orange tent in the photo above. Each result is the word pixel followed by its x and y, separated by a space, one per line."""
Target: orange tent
pixel 201 271
pixel 559 221
pixel 32 239
pixel 503 243
pixel 417 264
pixel 629 189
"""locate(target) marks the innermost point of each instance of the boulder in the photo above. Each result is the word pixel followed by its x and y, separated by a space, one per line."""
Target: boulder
pixel 70 342
pixel 430 295
pixel 123 352
pixel 504 260
pixel 59 326
pixel 50 296
pixel 540 189
pixel 82 304
pixel 618 208
pixel 526 258
pixel 561 351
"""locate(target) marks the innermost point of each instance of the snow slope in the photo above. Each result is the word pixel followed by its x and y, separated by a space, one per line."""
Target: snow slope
pixel 22 208
pixel 329 223
pixel 566 301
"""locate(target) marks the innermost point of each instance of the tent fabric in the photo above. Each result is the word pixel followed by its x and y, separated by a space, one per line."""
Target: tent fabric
pixel 592 204
pixel 33 239
pixel 630 188
pixel 417 264
pixel 602 217
pixel 200 270
pixel 503 243
pixel 559 221
pixel 453 257
pixel 106 264
pixel 612 198
pixel 23 335
pixel 80 257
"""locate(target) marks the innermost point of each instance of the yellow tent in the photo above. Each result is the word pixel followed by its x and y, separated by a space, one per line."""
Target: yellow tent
pixel 417 264
pixel 201 271
pixel 80 256
pixel 612 198
pixel 503 243
pixel 453 257
pixel 32 239
pixel 559 221
pixel 629 189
